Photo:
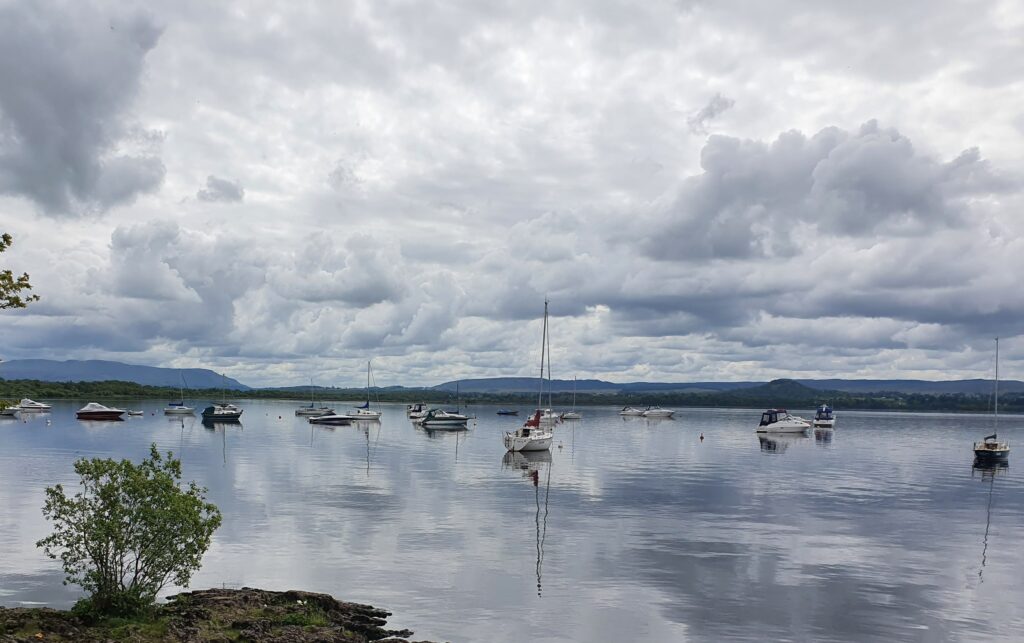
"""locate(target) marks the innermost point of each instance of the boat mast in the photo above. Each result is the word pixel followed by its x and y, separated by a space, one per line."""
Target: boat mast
pixel 543 338
pixel 995 426
pixel 548 340
pixel 573 392
pixel 367 384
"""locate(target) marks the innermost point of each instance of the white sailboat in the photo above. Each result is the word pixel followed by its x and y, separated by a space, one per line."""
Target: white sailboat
pixel 179 407
pixel 534 435
pixel 363 411
pixel 313 410
pixel 573 414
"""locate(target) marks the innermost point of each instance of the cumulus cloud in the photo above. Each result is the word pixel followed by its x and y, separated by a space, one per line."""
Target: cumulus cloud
pixel 221 190
pixel 70 74
pixel 718 104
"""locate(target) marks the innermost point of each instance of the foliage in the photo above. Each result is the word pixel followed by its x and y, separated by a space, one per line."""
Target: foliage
pixel 11 286
pixel 129 532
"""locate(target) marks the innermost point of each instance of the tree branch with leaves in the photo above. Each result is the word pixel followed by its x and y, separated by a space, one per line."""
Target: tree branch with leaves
pixel 11 286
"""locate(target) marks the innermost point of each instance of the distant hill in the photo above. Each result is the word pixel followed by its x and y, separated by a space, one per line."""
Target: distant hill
pixel 529 385
pixel 100 370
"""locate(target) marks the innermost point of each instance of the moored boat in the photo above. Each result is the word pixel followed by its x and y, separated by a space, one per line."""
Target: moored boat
pixel 824 417
pixel 31 405
pixel 223 412
pixel 96 411
pixel 332 419
pixel 438 419
pixel 530 437
pixel 573 414
pixel 9 411
pixel 658 412
pixel 313 410
pixel 991 449
pixel 507 412
pixel 631 411
pixel 179 408
pixel 780 421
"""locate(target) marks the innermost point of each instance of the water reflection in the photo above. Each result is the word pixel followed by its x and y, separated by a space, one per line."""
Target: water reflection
pixel 779 443
pixel 532 463
pixel 988 471
pixel 823 437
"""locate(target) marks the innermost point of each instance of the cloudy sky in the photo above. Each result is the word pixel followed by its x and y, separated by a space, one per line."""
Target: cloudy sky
pixel 704 190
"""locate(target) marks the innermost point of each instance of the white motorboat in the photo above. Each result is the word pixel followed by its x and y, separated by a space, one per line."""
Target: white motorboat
pixel 824 418
pixel 438 419
pixel 31 405
pixel 96 411
pixel 535 434
pixel 631 411
pixel 179 408
pixel 780 421
pixel 136 413
pixel 530 437
pixel 419 408
pixel 658 412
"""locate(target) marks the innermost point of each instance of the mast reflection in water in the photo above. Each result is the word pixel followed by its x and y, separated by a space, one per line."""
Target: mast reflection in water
pixel 531 463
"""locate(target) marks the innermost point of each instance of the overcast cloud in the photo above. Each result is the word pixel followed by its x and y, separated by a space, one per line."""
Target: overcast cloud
pixel 703 190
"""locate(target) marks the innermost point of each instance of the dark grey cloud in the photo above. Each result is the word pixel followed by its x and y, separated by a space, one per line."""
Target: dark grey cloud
pixel 718 104
pixel 221 190
pixel 69 74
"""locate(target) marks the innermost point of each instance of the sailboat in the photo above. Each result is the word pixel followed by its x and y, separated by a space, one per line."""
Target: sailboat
pixel 534 435
pixel 223 412
pixel 179 408
pixel 312 410
pixel 573 414
pixel 990 449
pixel 363 411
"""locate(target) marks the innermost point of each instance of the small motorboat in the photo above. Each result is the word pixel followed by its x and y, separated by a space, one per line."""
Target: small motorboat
pixel 532 436
pixel 572 415
pixel 658 412
pixel 136 413
pixel 780 421
pixel 824 418
pixel 507 412
pixel 96 411
pixel 419 408
pixel 31 405
pixel 332 419
pixel 631 411
pixel 178 408
pixel 438 419
pixel 223 412
pixel 313 411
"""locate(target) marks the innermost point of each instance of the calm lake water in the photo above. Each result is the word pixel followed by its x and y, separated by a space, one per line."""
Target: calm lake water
pixel 632 530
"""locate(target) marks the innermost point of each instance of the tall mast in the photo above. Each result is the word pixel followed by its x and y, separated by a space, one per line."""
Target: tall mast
pixel 543 339
pixel 549 354
pixel 995 427
pixel 367 384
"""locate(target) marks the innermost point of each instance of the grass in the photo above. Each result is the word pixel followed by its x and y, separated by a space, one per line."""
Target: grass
pixel 308 618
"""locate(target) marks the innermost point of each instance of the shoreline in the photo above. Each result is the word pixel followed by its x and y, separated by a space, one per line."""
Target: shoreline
pixel 246 614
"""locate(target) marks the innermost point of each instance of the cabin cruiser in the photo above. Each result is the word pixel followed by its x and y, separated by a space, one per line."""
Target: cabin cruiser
pixel 332 419
pixel 222 412
pixel 419 408
pixel 780 421
pixel 630 411
pixel 95 411
pixel 532 436
pixel 31 405
pixel 824 418
pixel 658 412
pixel 438 419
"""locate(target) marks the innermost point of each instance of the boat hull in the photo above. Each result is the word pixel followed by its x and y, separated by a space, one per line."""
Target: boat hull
pixel 783 428
pixel 991 455
pixel 824 424
pixel 572 415
pixel 179 410
pixel 99 415
pixel 444 424
pixel 658 414
pixel 331 420
pixel 313 412
pixel 516 443
pixel 9 413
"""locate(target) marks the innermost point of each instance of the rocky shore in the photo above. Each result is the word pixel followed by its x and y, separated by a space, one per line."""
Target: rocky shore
pixel 224 615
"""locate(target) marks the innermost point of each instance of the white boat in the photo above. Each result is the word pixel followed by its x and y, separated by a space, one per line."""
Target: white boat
pixel 534 435
pixel 96 411
pixel 573 414
pixel 136 413
pixel 363 412
pixel 658 412
pixel 549 418
pixel 824 418
pixel 419 408
pixel 631 411
pixel 223 412
pixel 313 410
pixel 179 408
pixel 31 405
pixel 990 450
pixel 333 420
pixel 438 419
pixel 780 421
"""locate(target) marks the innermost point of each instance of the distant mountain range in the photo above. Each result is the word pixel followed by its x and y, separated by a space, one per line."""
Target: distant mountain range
pixel 101 370
pixel 197 378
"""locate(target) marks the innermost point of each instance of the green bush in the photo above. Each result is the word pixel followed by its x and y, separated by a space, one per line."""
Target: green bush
pixel 129 532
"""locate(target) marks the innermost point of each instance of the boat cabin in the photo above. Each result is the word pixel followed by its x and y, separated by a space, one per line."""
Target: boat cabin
pixel 824 412
pixel 771 416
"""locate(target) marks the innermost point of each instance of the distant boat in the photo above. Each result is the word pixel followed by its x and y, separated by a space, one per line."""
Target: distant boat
pixel 31 405
pixel 990 449
pixel 507 412
pixel 417 408
pixel 780 421
pixel 438 419
pixel 533 435
pixel 96 411
pixel 136 413
pixel 658 412
pixel 631 411
pixel 179 408
pixel 332 419
pixel 824 418
pixel 363 412
pixel 313 410
pixel 573 414
pixel 222 412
